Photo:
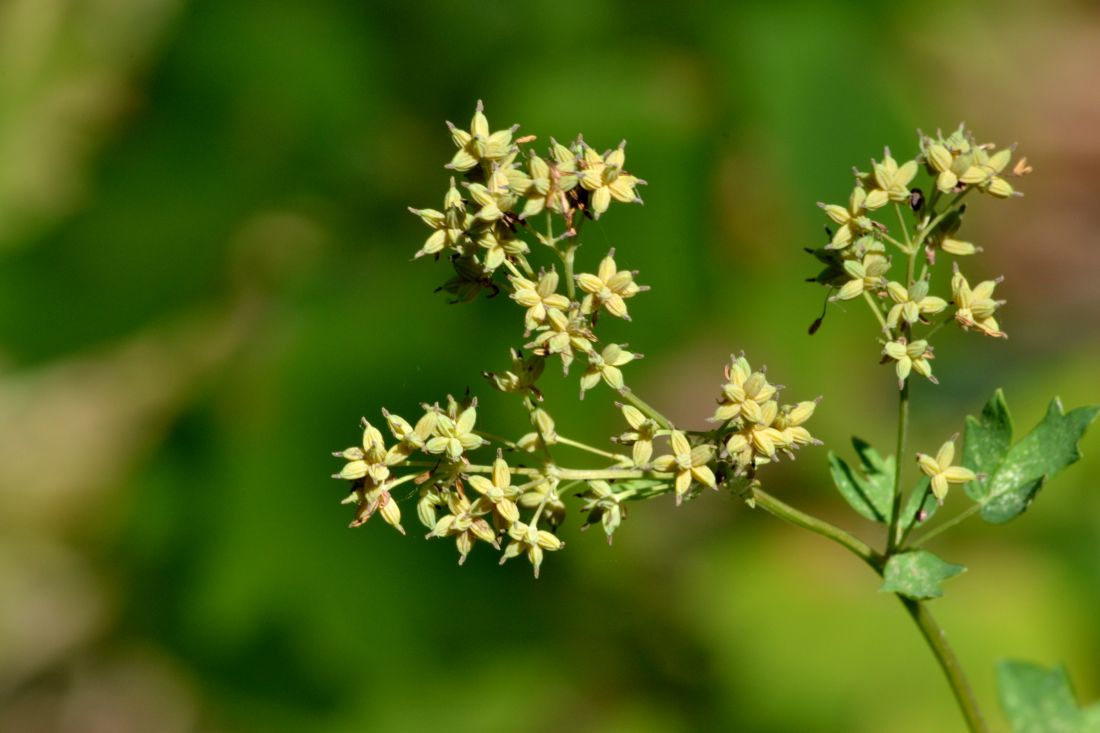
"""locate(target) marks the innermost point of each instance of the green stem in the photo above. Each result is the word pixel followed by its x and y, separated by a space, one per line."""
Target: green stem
pixel 618 457
pixel 893 534
pixel 788 513
pixel 876 310
pixel 957 519
pixel 904 226
pixel 642 405
pixel 931 631
pixel 949 663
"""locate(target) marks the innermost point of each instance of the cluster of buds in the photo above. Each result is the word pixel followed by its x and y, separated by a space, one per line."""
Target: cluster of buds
pixel 514 503
pixel 858 259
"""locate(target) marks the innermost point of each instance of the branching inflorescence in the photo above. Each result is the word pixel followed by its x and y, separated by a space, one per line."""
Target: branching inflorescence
pixel 884 250
pixel 494 225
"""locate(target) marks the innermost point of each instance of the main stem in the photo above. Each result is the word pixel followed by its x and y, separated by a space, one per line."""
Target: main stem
pixel 949 663
pixel 931 631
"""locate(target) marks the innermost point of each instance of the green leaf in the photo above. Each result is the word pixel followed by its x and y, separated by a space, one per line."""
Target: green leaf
pixel 1014 475
pixel 1040 700
pixel 871 492
pixel 988 438
pixel 917 575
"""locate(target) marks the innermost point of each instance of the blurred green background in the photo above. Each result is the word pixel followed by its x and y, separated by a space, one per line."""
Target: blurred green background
pixel 205 281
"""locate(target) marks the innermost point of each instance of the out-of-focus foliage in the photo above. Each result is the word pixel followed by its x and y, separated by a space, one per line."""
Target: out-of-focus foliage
pixel 204 274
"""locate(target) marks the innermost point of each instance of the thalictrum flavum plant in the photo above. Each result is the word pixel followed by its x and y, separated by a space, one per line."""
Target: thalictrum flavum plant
pixel 510 222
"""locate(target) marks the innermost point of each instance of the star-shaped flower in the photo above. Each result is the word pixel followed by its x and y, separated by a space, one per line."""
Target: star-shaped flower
pixel 609 287
pixel 976 306
pixel 528 539
pixel 369 461
pixel 538 297
pixel 454 436
pixel 605 365
pixel 644 429
pixel 479 143
pixel 891 181
pixel 913 357
pixel 866 274
pixel 853 221
pixel 498 492
pixel 551 181
pixel 689 464
pixel 911 303
pixel 941 472
pixel 605 178
pixel 743 393
pixel 449 226
pixel 465 524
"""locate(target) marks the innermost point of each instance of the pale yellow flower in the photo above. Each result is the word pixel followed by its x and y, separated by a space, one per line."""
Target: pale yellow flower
pixel 538 297
pixel 941 472
pixel 609 287
pixel 527 539
pixel 605 178
pixel 891 181
pixel 852 221
pixel 911 303
pixel 975 307
pixel 498 492
pixel 689 464
pixel 455 436
pixel 867 274
pixel 479 144
pixel 910 357
pixel 465 524
pixel 368 461
pixel 605 365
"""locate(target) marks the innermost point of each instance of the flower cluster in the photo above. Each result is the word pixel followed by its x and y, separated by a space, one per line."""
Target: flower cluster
pixel 898 289
pixel 514 503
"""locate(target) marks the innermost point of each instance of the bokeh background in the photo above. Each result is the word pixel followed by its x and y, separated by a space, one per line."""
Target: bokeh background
pixel 205 281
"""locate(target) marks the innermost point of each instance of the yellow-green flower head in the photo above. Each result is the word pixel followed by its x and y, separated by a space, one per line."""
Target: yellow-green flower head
pixel 479 144
pixel 499 244
pixel 910 357
pixel 465 524
pixel 409 439
pixel 522 377
pixel 368 461
pixel 865 275
pixel 603 506
pixel 609 288
pixel 551 181
pixel 538 298
pixel 756 442
pixel 605 365
pixel 643 430
pixel 953 160
pixel 605 178
pixel 455 436
pixel 789 421
pixel 527 539
pixel 743 393
pixel 912 303
pixel 853 221
pixel 562 335
pixel 498 492
pixel 992 165
pixel 687 463
pixel 891 181
pixel 376 499
pixel 449 226
pixel 976 306
pixel 941 472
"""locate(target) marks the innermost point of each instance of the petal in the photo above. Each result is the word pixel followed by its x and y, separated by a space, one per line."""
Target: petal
pixel 680 444
pixel 704 475
pixel 601 199
pixel 589 282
